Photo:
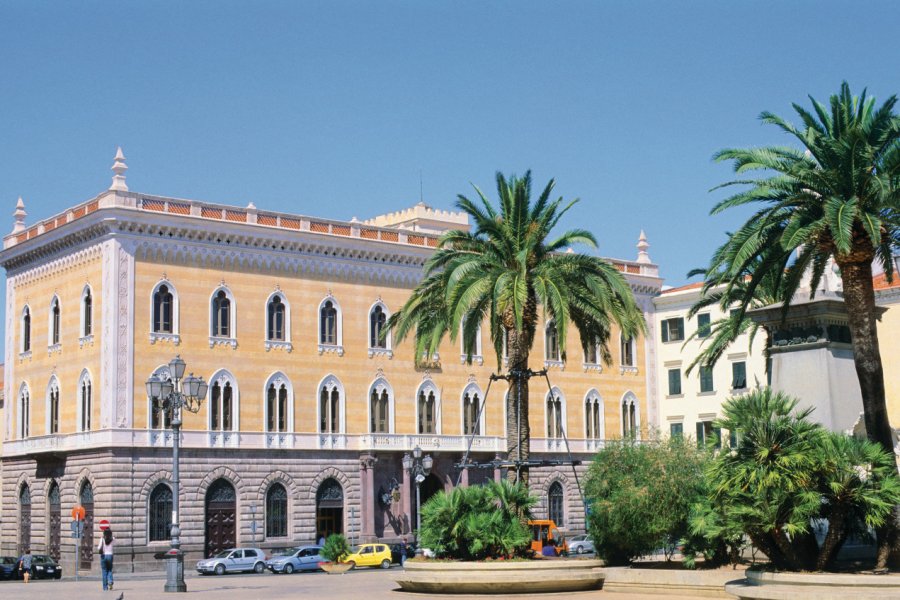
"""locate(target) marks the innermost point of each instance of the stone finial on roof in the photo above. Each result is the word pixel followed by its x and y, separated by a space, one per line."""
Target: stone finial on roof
pixel 642 246
pixel 20 215
pixel 119 167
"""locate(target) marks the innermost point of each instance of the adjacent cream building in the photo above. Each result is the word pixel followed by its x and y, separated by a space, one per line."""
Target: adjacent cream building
pixel 690 403
pixel 309 413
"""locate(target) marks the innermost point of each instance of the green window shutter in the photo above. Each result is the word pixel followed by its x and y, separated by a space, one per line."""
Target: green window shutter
pixel 665 331
pixel 703 327
pixel 676 430
pixel 700 433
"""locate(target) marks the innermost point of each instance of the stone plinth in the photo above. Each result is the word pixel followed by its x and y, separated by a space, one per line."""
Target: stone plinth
pixel 502 577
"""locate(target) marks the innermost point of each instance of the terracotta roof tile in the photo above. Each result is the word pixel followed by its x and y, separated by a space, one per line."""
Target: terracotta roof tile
pixel 690 286
pixel 880 282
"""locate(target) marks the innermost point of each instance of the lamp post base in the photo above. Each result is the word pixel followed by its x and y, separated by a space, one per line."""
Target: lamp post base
pixel 175 571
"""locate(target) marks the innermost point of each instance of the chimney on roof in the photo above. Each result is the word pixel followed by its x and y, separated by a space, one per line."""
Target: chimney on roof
pixel 642 246
pixel 20 215
pixel 119 167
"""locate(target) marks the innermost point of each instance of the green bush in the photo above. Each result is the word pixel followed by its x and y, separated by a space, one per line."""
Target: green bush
pixel 335 549
pixel 788 471
pixel 640 496
pixel 478 522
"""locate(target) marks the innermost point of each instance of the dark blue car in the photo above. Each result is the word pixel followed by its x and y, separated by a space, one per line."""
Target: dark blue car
pixel 8 567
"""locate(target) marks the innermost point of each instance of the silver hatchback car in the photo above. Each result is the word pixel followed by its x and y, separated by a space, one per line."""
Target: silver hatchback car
pixel 234 560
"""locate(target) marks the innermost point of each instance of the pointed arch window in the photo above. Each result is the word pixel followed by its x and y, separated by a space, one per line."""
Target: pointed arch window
pixel 593 417
pixel 377 321
pixel 24 518
pixel 85 402
pixel 26 329
pixel 53 407
pixel 159 515
pixel 328 324
pixel 555 414
pixel 221 315
pixel 330 406
pixel 163 310
pixel 87 312
pixel 222 405
pixel 379 404
pixel 555 503
pixel 590 354
pixel 276 511
pixel 627 351
pixel 630 417
pixel 160 418
pixel 275 330
pixel 427 410
pixel 471 402
pixel 276 407
pixel 551 342
pixel 24 412
pixel 54 322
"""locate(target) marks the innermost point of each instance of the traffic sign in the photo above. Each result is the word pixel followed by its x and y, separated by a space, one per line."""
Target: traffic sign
pixel 104 525
pixel 77 529
pixel 78 512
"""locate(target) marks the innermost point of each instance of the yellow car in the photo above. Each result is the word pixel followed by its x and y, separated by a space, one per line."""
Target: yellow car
pixel 370 555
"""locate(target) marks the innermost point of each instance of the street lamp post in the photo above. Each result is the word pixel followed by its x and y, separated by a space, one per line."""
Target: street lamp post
pixel 171 396
pixel 419 467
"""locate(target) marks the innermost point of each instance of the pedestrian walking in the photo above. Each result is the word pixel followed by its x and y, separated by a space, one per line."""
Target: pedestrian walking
pixel 105 548
pixel 25 565
pixel 403 552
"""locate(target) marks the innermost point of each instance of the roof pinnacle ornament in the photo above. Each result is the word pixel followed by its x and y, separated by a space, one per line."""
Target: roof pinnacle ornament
pixel 20 215
pixel 642 245
pixel 119 167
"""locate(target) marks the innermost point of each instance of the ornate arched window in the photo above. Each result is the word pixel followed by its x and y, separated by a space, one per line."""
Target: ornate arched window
pixel 328 324
pixel 471 403
pixel 223 402
pixel 331 405
pixel 278 404
pixel 276 511
pixel 159 513
pixel 555 498
pixel 377 320
pixel 160 418
pixel 87 312
pixel 551 342
pixel 379 409
pixel 593 416
pixel 163 309
pixel 426 409
pixel 556 417
pixel 85 402
pixel 24 518
pixel 276 320
pixel 631 422
pixel 626 351
pixel 24 412
pixel 26 329
pixel 591 356
pixel 222 315
pixel 53 406
pixel 53 329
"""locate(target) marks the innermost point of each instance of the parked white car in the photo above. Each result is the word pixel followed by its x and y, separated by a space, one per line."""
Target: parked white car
pixel 234 560
pixel 581 544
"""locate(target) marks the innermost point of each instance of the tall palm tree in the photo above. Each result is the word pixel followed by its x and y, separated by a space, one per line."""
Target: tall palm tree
pixel 507 270
pixel 837 197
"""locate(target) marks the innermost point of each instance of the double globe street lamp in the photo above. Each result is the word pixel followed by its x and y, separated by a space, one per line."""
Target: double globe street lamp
pixel 419 467
pixel 171 395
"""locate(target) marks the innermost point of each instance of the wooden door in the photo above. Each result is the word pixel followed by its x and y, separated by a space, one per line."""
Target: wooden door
pixel 221 518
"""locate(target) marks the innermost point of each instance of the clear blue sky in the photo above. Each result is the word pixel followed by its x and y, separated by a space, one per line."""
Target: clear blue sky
pixel 334 108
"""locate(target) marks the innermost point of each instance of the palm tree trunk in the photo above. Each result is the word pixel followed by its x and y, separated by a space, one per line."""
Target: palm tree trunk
pixel 859 298
pixel 834 539
pixel 518 433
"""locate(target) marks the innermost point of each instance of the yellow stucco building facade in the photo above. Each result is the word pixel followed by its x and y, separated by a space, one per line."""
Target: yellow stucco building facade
pixel 309 414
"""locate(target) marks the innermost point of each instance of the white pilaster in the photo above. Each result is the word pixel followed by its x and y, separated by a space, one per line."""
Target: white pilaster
pixel 117 351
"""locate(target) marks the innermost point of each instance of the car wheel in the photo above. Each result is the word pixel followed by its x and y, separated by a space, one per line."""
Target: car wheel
pixel 352 565
pixel 220 569
pixel 579 550
pixel 288 568
pixel 386 563
pixel 259 567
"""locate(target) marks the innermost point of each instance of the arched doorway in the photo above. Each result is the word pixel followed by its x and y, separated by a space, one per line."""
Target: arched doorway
pixel 428 488
pixel 330 508
pixel 55 516
pixel 221 517
pixel 24 519
pixel 87 539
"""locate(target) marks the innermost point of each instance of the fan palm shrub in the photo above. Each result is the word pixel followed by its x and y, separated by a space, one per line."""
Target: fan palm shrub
pixel 478 522
pixel 507 271
pixel 789 472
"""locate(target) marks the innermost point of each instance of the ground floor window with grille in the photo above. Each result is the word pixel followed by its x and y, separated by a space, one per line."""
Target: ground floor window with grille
pixel 276 511
pixel 555 502
pixel 160 524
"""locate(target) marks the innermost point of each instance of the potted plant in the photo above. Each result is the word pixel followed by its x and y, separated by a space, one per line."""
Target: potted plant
pixel 334 551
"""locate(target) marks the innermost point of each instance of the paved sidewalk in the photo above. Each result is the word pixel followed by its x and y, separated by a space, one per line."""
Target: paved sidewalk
pixel 370 584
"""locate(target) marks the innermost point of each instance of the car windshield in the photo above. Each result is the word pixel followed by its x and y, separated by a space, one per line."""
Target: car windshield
pixel 7 560
pixel 285 551
pixel 223 554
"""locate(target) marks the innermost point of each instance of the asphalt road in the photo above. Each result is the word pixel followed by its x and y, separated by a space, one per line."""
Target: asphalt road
pixel 360 584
